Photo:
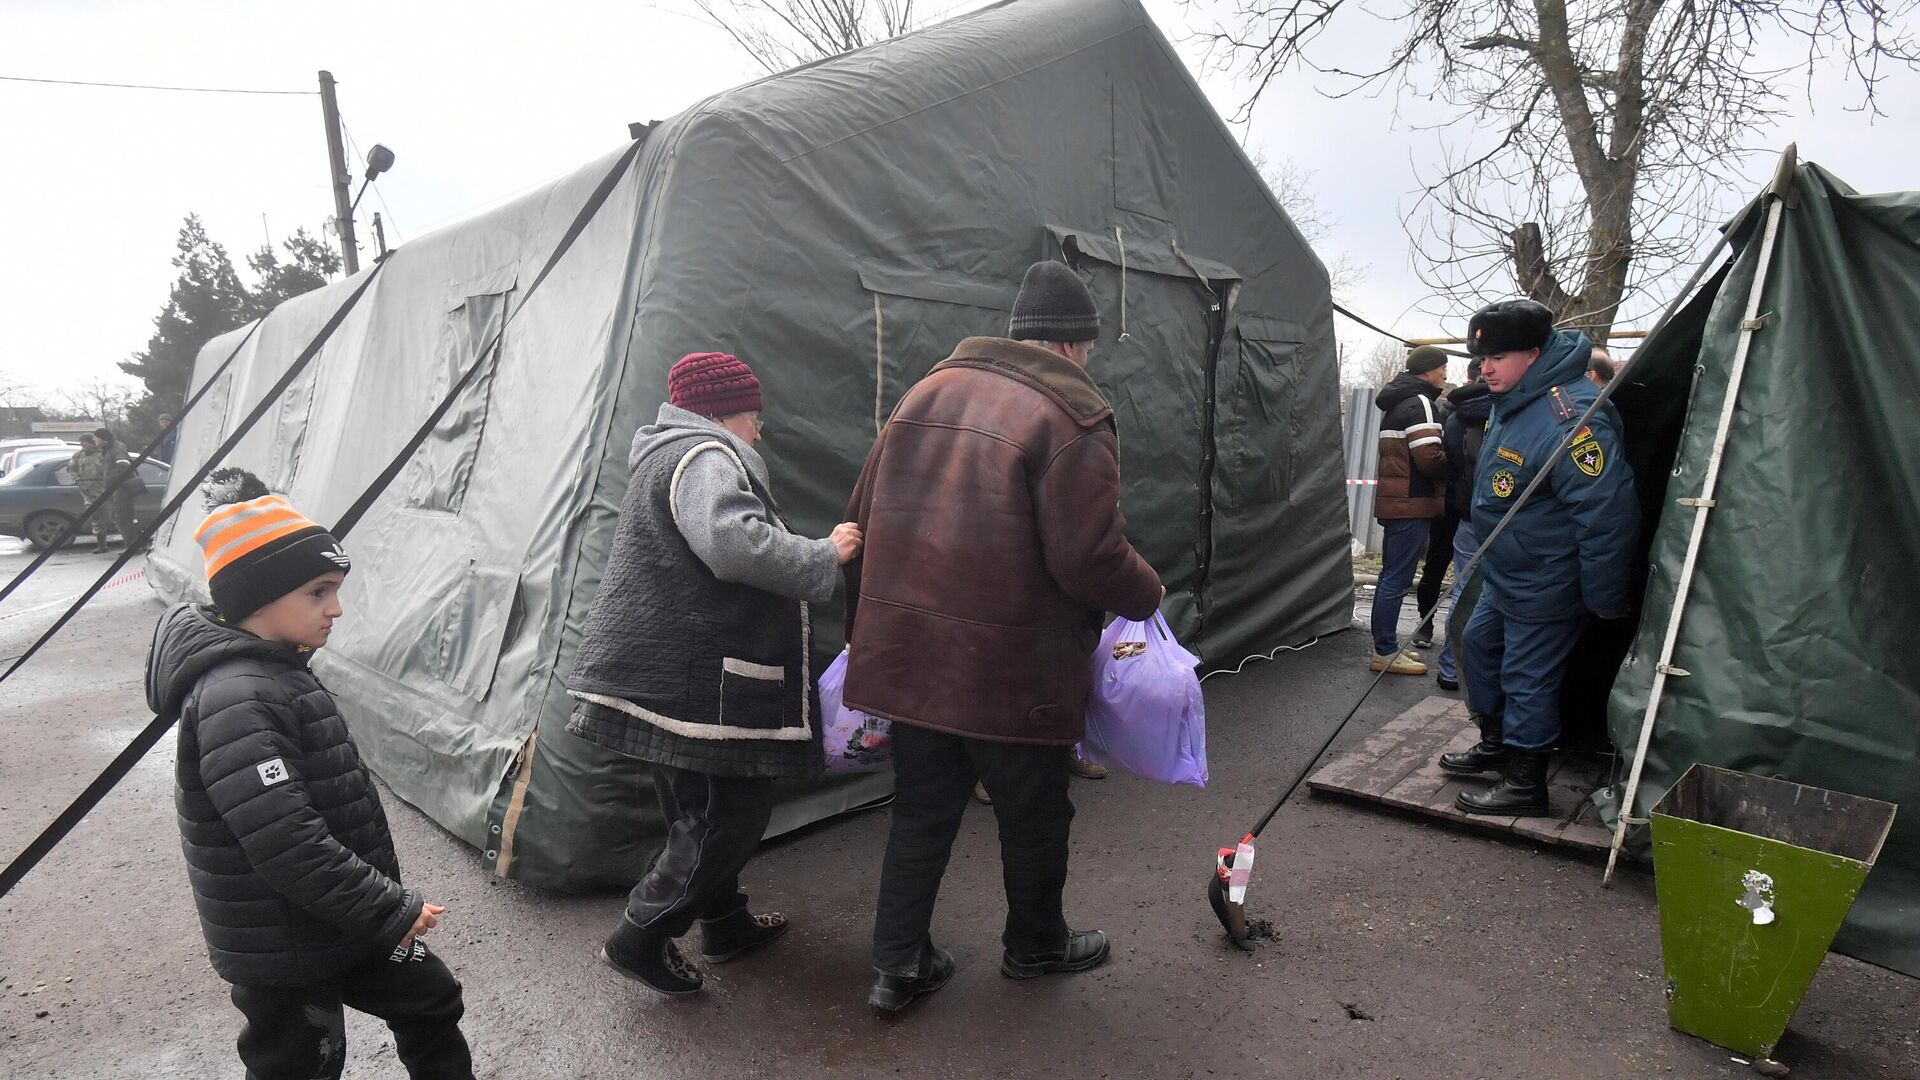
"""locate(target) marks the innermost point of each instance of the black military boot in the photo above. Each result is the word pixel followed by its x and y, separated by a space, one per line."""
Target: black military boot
pixel 1521 791
pixel 737 934
pixel 892 993
pixel 1488 755
pixel 1083 949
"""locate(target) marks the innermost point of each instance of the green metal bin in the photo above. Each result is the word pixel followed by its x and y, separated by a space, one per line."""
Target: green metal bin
pixel 1754 877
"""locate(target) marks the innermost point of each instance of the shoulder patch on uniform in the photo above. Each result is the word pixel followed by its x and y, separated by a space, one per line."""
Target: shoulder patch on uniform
pixel 1503 484
pixel 272 771
pixel 1511 456
pixel 1583 434
pixel 1588 457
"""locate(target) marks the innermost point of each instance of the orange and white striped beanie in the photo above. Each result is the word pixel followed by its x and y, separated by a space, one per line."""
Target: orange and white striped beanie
pixel 257 546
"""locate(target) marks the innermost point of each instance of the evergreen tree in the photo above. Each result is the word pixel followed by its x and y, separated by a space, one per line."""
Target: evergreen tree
pixel 314 263
pixel 207 300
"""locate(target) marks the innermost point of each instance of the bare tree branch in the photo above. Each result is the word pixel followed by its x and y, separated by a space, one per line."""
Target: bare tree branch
pixel 781 34
pixel 1590 140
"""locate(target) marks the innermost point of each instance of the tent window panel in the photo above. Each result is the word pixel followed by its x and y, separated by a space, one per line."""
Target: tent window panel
pixel 1257 423
pixel 290 433
pixel 468 631
pixel 1146 161
pixel 436 479
pixel 914 331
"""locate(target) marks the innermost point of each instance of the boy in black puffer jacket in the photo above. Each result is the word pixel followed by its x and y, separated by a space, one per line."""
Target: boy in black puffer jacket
pixel 288 852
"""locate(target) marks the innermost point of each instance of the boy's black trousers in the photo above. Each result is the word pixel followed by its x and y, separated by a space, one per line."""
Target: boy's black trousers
pixel 300 1033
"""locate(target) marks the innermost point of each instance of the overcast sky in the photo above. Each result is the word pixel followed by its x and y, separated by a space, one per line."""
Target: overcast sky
pixel 483 100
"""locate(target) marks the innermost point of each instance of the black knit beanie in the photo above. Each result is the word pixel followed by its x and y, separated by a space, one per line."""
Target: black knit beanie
pixel 258 548
pixel 1425 358
pixel 1053 305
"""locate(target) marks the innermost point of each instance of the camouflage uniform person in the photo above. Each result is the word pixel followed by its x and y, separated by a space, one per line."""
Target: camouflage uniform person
pixel 90 466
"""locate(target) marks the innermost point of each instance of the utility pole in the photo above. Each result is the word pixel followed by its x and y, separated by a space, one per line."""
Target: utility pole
pixel 379 237
pixel 337 169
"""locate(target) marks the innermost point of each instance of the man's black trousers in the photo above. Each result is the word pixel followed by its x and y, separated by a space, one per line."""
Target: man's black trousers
pixel 714 825
pixel 1439 557
pixel 300 1032
pixel 934 774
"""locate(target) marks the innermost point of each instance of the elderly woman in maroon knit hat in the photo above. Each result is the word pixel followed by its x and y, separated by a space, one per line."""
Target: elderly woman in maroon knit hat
pixel 696 659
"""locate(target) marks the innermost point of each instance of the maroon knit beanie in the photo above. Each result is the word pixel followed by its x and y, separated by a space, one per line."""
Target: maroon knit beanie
pixel 714 385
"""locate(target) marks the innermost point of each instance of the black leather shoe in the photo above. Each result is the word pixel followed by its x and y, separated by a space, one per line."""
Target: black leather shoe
pixel 737 934
pixel 651 959
pixel 892 993
pixel 1446 683
pixel 1520 792
pixel 1488 755
pixel 1084 949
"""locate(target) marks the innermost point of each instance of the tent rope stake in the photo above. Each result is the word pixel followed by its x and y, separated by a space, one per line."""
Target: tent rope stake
pixel 1702 505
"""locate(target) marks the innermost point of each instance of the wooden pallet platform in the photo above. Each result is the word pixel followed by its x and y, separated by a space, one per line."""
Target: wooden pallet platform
pixel 1395 767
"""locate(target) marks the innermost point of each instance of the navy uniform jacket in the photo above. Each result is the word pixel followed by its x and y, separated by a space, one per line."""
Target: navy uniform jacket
pixel 1567 551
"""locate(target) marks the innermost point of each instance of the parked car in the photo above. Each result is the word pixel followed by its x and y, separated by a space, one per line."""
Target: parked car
pixel 38 501
pixel 27 455
pixel 11 450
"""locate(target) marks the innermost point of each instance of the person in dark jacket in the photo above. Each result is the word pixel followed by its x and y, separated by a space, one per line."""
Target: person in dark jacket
pixel 1566 552
pixel 1411 493
pixel 125 482
pixel 991 508
pixel 169 438
pixel 1466 423
pixel 696 660
pixel 287 847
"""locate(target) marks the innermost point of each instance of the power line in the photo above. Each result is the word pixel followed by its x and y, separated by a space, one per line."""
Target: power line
pixel 148 86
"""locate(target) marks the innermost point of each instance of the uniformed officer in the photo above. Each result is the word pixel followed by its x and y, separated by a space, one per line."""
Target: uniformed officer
pixel 89 467
pixel 1564 555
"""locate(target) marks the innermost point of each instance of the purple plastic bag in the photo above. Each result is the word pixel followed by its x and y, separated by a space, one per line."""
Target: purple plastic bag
pixel 852 742
pixel 1146 715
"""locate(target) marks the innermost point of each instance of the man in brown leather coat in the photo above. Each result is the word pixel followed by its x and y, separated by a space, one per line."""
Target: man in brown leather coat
pixel 994 544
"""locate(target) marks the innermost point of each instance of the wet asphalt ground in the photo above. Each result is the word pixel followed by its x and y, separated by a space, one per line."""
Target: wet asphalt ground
pixel 1402 949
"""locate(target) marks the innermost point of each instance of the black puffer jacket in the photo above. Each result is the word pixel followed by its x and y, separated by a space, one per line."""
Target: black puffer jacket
pixel 288 853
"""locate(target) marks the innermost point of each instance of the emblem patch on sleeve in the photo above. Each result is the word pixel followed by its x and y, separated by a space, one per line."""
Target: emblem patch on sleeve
pixel 1503 484
pixel 272 771
pixel 1588 457
pixel 1511 456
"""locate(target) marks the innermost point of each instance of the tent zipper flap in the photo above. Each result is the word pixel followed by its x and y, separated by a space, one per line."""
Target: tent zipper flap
pixel 1702 505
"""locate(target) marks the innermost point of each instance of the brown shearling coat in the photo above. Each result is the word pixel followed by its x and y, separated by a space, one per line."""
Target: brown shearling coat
pixel 994 543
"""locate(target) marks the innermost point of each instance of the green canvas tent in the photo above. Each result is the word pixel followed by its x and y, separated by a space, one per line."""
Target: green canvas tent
pixel 841 226
pixel 1798 634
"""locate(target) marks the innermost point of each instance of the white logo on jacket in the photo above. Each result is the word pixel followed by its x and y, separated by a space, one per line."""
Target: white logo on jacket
pixel 272 771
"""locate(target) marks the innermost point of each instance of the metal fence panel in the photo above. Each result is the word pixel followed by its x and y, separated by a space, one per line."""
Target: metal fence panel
pixel 1362 425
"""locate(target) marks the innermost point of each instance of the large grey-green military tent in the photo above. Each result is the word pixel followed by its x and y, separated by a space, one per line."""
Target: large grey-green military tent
pixel 841 226
pixel 1797 641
